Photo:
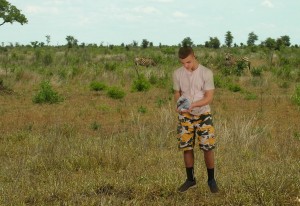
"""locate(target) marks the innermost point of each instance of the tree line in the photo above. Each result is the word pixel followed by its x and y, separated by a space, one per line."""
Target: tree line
pixel 10 14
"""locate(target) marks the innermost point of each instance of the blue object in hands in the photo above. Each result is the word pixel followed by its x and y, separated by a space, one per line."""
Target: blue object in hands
pixel 183 103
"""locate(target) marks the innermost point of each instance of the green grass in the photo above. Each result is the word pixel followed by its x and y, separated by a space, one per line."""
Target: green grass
pixel 143 167
pixel 119 147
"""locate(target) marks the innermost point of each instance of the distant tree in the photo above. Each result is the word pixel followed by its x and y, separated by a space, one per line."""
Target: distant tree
pixel 71 41
pixel 134 43
pixel 285 40
pixel 251 39
pixel 270 43
pixel 228 39
pixel 10 14
pixel 82 45
pixel 145 43
pixel 48 39
pixel 151 44
pixel 187 42
pixel 34 44
pixel 213 43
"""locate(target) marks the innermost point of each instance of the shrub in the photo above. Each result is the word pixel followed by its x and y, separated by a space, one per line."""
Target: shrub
pixel 97 86
pixel 48 59
pixel 256 72
pixel 115 92
pixel 142 109
pixel 153 79
pixel 234 87
pixel 46 94
pixel 218 81
pixel 141 84
pixel 110 66
pixel 240 68
pixel 296 96
pixel 95 126
pixel 4 88
pixel 250 96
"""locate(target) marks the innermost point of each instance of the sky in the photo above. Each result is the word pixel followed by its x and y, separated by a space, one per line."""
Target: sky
pixel 159 21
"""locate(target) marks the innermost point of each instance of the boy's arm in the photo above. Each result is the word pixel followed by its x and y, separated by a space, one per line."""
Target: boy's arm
pixel 207 99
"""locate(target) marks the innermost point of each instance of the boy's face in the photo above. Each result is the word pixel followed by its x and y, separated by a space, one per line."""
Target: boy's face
pixel 189 62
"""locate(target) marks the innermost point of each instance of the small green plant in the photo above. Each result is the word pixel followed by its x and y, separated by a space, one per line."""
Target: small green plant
pixel 284 85
pixel 97 86
pixel 141 84
pixel 296 96
pixel 153 79
pixel 4 88
pixel 240 68
pixel 104 108
pixel 46 94
pixel 160 102
pixel 110 66
pixel 95 126
pixel 234 87
pixel 250 96
pixel 218 81
pixel 142 109
pixel 256 72
pixel 47 59
pixel 116 93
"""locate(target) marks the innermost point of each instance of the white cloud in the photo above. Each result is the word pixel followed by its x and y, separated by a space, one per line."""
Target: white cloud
pixel 179 14
pixel 33 9
pixel 267 3
pixel 163 1
pixel 146 10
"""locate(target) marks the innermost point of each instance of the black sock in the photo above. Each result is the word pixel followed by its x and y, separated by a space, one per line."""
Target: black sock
pixel 210 174
pixel 190 173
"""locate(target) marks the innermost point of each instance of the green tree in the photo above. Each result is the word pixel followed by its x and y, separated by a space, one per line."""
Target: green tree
pixel 48 39
pixel 228 39
pixel 270 43
pixel 34 44
pixel 145 43
pixel 213 42
pixel 187 42
pixel 285 40
pixel 10 14
pixel 251 39
pixel 134 43
pixel 71 41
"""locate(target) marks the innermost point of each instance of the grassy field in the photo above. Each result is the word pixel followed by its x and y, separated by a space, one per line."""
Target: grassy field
pixel 92 149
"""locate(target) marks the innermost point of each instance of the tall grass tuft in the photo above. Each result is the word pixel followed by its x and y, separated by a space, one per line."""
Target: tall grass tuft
pixel 296 96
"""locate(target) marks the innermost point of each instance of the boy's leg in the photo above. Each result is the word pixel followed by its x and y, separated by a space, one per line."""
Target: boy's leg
pixel 186 140
pixel 190 182
pixel 205 134
pixel 209 161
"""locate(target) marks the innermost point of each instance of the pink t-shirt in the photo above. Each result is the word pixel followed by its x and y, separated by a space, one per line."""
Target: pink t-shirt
pixel 193 85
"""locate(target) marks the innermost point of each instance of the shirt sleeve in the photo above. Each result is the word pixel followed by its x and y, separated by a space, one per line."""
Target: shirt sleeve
pixel 176 85
pixel 209 80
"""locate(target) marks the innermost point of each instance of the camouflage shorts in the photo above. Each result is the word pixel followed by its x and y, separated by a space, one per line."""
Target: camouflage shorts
pixel 191 127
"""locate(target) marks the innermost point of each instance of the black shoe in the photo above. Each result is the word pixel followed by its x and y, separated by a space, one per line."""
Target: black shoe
pixel 187 185
pixel 213 186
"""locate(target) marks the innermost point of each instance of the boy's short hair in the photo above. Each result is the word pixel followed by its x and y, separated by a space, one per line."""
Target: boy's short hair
pixel 185 51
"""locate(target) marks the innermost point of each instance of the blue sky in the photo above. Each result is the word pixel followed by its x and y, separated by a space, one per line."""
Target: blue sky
pixel 158 21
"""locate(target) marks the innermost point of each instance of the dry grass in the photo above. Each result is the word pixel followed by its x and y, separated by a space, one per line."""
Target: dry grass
pixel 93 150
